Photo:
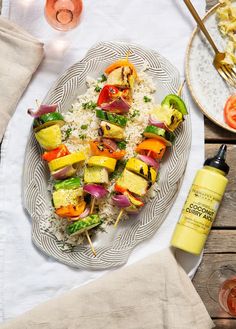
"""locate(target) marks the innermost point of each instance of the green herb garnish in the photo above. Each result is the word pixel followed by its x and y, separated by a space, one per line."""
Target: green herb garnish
pixel 84 127
pixel 68 133
pixel 146 99
pixel 103 78
pixel 97 89
pixel 89 105
pixel 122 145
pixel 134 114
pixel 82 136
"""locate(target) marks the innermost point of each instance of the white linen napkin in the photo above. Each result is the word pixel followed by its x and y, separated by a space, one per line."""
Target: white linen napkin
pixel 26 276
pixel 20 56
pixel 152 293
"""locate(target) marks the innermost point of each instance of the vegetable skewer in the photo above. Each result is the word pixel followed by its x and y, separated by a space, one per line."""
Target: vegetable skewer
pixel 150 145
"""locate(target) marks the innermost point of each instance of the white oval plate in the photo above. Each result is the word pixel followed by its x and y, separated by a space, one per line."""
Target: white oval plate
pixel 208 89
pixel 115 245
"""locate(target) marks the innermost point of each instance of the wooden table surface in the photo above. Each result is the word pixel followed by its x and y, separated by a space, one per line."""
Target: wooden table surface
pixel 221 247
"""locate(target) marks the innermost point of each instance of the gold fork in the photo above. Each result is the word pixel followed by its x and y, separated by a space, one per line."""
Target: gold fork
pixel 227 72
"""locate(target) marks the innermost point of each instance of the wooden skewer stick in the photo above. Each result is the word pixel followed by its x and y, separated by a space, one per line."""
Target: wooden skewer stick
pixel 119 217
pixel 90 243
pixel 127 55
pixel 37 103
pixel 92 205
pixel 179 92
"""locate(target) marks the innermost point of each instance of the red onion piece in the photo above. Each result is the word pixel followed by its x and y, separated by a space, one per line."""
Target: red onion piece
pixel 85 213
pixel 121 201
pixel 154 122
pixel 118 105
pixel 43 109
pixel 110 144
pixel 97 191
pixel 64 172
pixel 149 161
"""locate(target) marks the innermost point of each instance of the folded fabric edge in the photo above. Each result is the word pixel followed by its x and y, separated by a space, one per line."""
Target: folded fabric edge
pixel 5 8
pixel 12 28
pixel 34 316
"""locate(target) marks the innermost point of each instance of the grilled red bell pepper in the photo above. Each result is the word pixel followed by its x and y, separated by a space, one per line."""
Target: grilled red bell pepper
pixel 108 94
pixel 58 152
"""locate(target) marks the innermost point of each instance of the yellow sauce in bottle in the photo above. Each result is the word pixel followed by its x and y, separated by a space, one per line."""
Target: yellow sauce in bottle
pixel 202 203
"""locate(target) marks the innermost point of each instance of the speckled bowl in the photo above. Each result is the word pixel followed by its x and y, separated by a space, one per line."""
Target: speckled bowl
pixel 208 89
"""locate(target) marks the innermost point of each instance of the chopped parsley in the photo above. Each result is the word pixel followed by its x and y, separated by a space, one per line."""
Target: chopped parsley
pixel 97 89
pixel 146 99
pixel 103 78
pixel 134 114
pixel 84 127
pixel 68 133
pixel 122 145
pixel 82 136
pixel 89 105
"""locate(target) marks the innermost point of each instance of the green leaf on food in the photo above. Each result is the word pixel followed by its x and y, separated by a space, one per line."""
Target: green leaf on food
pixel 82 136
pixel 97 89
pixel 84 127
pixel 122 145
pixel 103 78
pixel 89 105
pixel 68 132
pixel 134 114
pixel 146 99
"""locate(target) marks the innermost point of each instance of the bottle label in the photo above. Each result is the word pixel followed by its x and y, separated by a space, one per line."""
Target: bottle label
pixel 200 209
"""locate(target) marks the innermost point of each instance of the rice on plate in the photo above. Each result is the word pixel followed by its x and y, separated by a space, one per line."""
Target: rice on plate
pixel 81 126
pixel 115 128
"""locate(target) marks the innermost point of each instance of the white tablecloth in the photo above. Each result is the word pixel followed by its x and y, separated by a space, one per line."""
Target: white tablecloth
pixel 27 277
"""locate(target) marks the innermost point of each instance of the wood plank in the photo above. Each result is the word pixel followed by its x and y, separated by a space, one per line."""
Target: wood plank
pixel 221 241
pixel 211 263
pixel 216 133
pixel 225 324
pixel 226 214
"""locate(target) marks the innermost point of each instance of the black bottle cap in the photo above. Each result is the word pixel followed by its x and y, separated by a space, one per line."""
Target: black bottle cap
pixel 218 161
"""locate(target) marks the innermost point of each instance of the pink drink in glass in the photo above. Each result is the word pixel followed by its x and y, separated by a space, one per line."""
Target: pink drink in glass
pixel 227 296
pixel 63 15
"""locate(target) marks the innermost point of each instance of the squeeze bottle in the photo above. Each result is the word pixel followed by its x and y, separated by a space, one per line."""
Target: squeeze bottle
pixel 202 203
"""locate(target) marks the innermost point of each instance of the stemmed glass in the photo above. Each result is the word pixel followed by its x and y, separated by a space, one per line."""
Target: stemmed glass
pixel 63 15
pixel 221 287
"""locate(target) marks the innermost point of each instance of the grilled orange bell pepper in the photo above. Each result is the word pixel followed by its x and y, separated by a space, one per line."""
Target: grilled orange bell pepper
pixel 71 210
pixel 100 149
pixel 153 147
pixel 120 63
pixel 120 189
pixel 60 151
